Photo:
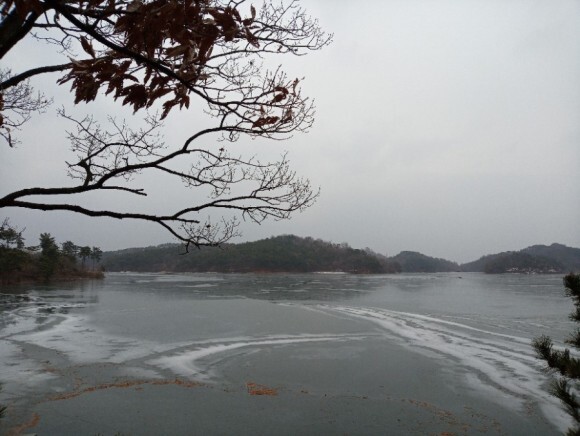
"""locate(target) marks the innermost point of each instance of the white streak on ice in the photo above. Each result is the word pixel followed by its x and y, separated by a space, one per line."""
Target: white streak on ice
pixel 504 363
pixel 187 363
pixel 69 334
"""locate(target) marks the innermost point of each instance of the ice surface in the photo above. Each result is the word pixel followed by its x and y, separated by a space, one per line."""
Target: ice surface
pixel 187 364
pixel 503 363
pixel 147 326
pixel 18 373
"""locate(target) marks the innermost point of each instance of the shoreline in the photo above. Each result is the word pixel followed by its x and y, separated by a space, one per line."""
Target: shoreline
pixel 86 275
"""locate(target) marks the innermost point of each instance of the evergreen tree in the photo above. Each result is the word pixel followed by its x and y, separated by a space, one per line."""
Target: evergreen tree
pixel 84 253
pixel 12 257
pixel 69 249
pixel 96 255
pixel 562 362
pixel 49 255
pixel 10 236
pixel 17 263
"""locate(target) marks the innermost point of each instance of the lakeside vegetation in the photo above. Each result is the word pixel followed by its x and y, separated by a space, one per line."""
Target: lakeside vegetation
pixel 287 253
pixel 46 261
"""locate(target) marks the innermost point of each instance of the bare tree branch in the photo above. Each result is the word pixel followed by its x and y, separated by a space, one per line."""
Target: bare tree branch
pixel 164 53
pixel 17 103
pixel 15 80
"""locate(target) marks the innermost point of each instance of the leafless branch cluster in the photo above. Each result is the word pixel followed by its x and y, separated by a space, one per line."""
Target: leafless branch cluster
pixel 17 103
pixel 165 52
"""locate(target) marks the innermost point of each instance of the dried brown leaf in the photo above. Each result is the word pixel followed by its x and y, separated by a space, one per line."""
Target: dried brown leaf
pixel 87 47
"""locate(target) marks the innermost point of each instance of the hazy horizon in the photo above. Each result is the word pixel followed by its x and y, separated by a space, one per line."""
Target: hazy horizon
pixel 355 247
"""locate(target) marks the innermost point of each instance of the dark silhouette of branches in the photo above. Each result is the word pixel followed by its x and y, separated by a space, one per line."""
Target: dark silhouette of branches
pixel 170 54
pixel 17 103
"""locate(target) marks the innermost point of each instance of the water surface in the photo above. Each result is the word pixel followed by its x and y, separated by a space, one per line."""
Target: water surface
pixel 331 354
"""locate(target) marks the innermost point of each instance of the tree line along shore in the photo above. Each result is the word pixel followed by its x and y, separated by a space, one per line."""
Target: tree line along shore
pixel 289 253
pixel 47 261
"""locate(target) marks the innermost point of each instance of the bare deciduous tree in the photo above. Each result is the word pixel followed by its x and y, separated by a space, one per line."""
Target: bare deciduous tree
pixel 169 54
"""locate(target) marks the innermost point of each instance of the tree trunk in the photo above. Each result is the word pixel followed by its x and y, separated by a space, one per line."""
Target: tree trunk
pixel 13 28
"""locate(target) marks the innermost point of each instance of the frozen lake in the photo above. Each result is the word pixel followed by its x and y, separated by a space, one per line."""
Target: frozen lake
pixel 189 354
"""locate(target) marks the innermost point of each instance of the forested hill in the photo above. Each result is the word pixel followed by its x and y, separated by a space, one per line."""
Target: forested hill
pixel 286 253
pixel 555 258
pixel 412 261
pixel 291 253
pixel 569 257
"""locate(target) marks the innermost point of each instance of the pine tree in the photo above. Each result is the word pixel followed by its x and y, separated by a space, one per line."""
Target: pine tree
pixel 49 255
pixel 562 362
pixel 84 254
pixel 96 255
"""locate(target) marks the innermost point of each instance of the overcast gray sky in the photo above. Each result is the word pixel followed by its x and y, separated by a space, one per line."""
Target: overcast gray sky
pixel 450 127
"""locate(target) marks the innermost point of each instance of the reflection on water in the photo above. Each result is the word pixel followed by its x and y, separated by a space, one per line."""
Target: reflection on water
pixel 454 342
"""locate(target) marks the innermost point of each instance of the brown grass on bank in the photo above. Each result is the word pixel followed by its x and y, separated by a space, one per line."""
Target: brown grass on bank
pixel 256 389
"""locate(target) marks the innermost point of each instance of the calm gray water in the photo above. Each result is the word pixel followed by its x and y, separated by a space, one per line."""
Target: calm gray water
pixel 332 354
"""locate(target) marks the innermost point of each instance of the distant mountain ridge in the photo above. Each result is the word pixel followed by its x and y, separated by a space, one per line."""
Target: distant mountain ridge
pixel 289 253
